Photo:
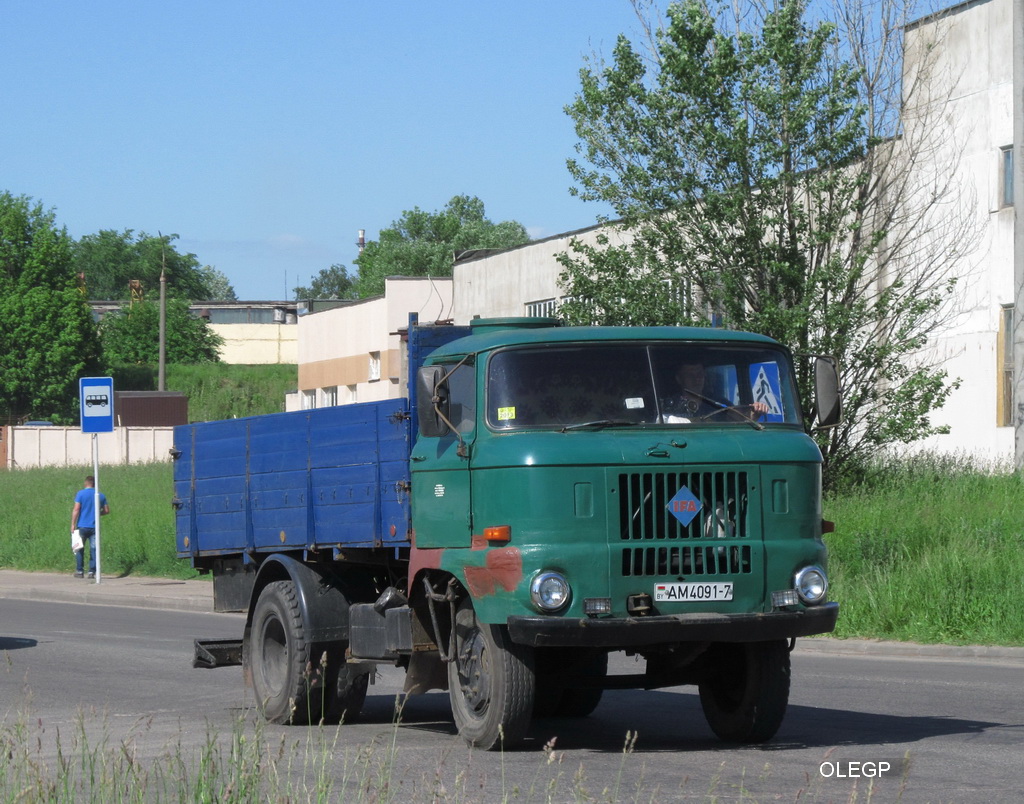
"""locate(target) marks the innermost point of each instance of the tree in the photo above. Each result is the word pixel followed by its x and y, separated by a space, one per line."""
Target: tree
pixel 131 336
pixel 747 160
pixel 218 286
pixel 109 260
pixel 425 243
pixel 331 283
pixel 47 336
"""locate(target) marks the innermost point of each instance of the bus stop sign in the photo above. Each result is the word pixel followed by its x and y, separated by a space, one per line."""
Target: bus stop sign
pixel 96 402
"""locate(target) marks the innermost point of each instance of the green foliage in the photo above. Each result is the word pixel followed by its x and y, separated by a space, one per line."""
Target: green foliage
pixel 922 551
pixel 331 283
pixel 225 391
pixel 109 260
pixel 218 286
pixel 425 243
pixel 738 160
pixel 132 335
pixel 47 337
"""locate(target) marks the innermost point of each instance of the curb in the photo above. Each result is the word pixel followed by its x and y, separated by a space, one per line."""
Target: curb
pixel 878 648
pixel 197 596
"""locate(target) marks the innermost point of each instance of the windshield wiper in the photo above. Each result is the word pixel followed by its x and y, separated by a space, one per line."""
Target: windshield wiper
pixel 599 423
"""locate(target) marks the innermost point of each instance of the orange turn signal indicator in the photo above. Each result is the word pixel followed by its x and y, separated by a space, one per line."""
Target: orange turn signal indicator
pixel 498 533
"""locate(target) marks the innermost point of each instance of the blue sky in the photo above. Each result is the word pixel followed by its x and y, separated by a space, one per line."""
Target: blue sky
pixel 266 134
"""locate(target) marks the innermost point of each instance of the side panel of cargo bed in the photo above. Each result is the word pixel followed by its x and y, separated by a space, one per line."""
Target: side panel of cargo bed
pixel 330 477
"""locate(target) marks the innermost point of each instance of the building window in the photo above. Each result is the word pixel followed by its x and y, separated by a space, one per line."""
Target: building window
pixel 1004 356
pixel 1006 176
pixel 545 308
pixel 308 400
pixel 374 366
pixel 353 393
pixel 329 396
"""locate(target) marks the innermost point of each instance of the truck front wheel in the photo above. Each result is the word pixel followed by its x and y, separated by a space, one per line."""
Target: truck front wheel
pixel 490 681
pixel 745 694
pixel 287 678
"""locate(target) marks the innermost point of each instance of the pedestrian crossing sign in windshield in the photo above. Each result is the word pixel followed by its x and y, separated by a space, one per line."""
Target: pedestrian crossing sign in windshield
pixel 766 388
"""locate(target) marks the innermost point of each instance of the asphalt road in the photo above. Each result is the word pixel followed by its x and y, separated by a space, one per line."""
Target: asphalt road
pixel 98 681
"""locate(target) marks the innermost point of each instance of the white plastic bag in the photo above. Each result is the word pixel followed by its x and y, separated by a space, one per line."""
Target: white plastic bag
pixel 76 541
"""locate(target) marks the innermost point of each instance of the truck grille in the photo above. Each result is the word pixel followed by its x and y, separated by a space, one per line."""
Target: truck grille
pixel 690 560
pixel 644 516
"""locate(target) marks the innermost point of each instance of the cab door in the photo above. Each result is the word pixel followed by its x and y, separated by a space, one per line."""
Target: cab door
pixel 440 467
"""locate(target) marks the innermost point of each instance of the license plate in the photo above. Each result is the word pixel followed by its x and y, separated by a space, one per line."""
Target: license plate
pixel 691 592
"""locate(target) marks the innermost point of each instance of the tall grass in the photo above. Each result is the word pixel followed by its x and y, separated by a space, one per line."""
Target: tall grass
pixel 929 550
pixel 317 764
pixel 224 391
pixel 216 390
pixel 137 537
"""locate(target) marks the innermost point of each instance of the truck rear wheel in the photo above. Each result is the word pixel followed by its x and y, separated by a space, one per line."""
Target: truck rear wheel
pixel 745 695
pixel 287 678
pixel 346 688
pixel 490 682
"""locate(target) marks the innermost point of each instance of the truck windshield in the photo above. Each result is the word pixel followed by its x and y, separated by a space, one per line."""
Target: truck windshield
pixel 683 384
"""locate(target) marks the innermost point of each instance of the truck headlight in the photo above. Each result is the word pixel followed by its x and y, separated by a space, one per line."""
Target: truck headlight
pixel 550 591
pixel 811 584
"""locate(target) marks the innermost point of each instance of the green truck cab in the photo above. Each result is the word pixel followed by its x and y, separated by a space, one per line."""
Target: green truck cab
pixel 585 505
pixel 572 493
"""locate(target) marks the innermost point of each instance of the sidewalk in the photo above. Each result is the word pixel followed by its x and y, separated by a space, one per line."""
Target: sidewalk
pixel 139 592
pixel 197 595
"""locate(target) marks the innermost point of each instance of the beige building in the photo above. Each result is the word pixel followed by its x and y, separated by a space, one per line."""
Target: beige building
pixel 352 353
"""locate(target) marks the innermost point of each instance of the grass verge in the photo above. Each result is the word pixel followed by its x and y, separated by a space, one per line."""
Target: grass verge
pixel 928 551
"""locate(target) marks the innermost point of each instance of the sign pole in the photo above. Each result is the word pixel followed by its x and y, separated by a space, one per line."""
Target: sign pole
pixel 96 406
pixel 96 498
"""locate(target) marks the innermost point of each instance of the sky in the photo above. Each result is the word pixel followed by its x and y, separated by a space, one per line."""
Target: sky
pixel 266 134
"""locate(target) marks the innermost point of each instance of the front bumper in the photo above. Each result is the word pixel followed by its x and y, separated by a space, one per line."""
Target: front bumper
pixel 633 632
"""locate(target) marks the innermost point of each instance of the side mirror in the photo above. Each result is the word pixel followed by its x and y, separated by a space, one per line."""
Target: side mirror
pixel 432 401
pixel 827 400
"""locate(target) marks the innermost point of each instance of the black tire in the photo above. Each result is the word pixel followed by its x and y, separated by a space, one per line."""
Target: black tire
pixel 555 694
pixel 490 682
pixel 582 701
pixel 745 694
pixel 287 676
pixel 346 688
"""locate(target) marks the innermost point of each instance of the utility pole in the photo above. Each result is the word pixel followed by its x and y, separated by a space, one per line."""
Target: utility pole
pixel 161 384
pixel 1018 232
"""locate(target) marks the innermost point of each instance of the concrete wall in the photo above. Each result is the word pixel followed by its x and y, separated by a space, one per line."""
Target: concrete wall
pixel 251 344
pixel 354 352
pixel 30 447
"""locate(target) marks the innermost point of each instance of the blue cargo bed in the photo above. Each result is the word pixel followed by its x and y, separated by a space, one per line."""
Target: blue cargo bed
pixel 333 477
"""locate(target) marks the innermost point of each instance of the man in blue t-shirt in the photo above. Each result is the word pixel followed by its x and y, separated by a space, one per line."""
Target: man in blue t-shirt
pixel 83 517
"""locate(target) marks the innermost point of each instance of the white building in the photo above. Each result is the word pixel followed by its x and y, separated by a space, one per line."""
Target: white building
pixel 973 74
pixel 353 353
